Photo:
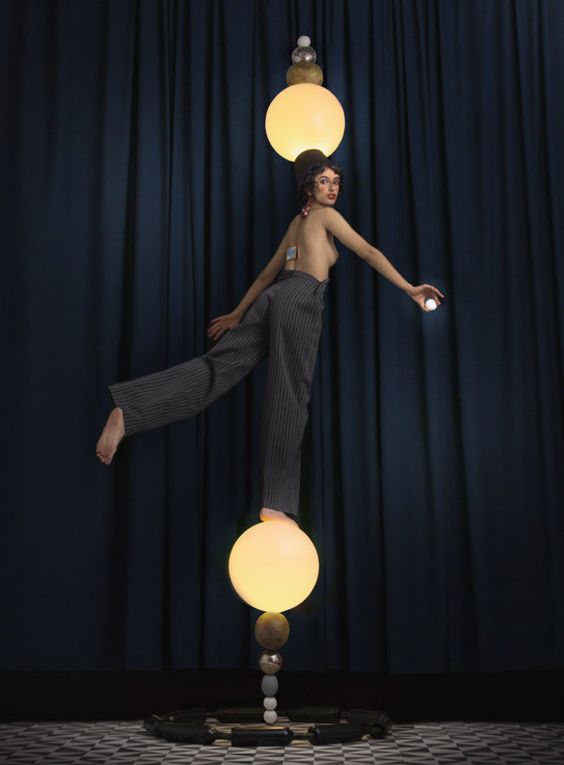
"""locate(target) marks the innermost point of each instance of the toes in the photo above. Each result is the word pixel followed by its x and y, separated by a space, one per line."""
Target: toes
pixel 280 516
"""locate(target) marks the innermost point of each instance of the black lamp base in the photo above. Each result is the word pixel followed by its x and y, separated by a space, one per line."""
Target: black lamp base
pixel 190 726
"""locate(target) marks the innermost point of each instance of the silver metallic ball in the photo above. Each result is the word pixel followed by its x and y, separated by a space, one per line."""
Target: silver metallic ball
pixel 269 702
pixel 270 662
pixel 270 717
pixel 304 53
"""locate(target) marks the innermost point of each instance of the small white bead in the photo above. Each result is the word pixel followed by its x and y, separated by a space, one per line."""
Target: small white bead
pixel 270 702
pixel 430 304
pixel 270 717
pixel 303 41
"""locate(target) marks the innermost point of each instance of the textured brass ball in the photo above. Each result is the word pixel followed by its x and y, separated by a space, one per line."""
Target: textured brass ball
pixel 270 662
pixel 304 71
pixel 272 630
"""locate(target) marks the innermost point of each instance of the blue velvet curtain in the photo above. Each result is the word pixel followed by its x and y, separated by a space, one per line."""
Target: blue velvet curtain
pixel 140 199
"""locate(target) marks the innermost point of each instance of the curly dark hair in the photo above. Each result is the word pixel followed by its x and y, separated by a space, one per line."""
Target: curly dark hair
pixel 306 186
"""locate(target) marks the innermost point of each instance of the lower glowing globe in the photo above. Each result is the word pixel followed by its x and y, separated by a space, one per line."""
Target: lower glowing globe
pixel 273 566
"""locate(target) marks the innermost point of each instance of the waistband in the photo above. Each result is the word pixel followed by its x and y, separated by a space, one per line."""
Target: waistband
pixel 286 273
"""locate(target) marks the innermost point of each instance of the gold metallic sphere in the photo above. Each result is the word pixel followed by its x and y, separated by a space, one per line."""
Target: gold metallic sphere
pixel 270 662
pixel 304 71
pixel 272 630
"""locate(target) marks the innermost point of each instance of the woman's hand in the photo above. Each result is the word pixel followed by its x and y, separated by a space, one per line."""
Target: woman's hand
pixel 422 293
pixel 218 326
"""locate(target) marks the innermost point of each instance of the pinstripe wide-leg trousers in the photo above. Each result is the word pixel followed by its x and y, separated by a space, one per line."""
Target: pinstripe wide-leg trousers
pixel 284 324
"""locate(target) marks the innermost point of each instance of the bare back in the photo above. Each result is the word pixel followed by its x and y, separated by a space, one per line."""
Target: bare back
pixel 315 246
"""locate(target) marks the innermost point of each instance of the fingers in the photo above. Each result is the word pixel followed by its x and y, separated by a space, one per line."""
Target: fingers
pixel 435 290
pixel 215 333
pixel 217 327
pixel 432 292
pixel 423 293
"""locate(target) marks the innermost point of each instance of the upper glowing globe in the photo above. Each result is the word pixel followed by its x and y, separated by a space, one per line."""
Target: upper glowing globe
pixel 273 566
pixel 302 117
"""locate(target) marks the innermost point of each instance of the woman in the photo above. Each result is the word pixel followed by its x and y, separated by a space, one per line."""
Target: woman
pixel 280 317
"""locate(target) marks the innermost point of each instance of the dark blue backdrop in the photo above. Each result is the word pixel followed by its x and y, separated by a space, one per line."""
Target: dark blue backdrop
pixel 140 198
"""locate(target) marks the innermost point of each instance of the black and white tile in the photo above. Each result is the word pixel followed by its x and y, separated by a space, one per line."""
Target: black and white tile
pixel 128 743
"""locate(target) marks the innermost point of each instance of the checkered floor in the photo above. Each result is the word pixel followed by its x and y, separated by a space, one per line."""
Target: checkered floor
pixel 124 743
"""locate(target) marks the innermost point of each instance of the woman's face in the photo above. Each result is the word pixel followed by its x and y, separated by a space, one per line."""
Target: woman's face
pixel 326 185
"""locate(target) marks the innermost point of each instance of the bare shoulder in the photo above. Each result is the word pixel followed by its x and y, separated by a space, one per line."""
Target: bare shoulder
pixel 332 219
pixel 333 214
pixel 337 225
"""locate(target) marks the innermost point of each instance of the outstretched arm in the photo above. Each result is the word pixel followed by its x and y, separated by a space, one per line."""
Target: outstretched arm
pixel 345 233
pixel 220 324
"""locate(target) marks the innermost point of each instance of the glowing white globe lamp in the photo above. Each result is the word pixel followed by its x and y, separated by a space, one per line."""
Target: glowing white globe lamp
pixel 273 566
pixel 305 115
pixel 302 117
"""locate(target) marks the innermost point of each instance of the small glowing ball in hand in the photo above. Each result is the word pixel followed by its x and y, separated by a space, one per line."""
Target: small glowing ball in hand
pixel 430 304
pixel 304 116
pixel 273 566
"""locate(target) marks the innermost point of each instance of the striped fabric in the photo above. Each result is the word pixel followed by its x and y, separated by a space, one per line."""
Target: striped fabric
pixel 284 323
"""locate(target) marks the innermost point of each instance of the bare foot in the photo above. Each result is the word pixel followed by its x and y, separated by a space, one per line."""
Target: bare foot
pixel 112 434
pixel 267 514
